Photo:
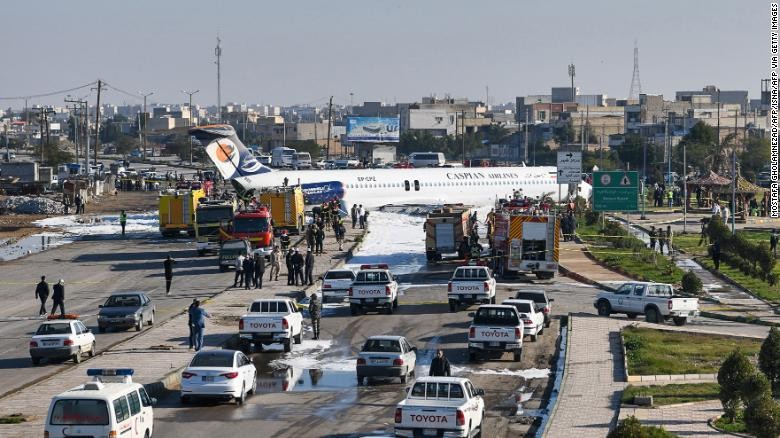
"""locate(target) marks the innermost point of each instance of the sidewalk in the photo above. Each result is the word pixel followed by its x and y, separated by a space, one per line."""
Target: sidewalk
pixel 576 264
pixel 160 365
pixel 684 419
pixel 590 394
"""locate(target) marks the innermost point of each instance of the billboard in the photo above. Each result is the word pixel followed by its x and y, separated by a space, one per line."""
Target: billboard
pixel 373 129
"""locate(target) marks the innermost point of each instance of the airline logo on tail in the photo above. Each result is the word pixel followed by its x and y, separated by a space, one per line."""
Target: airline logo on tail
pixel 227 152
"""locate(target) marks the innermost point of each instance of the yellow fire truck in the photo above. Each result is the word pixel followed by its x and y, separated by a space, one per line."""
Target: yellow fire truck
pixel 526 243
pixel 445 229
pixel 287 207
pixel 177 210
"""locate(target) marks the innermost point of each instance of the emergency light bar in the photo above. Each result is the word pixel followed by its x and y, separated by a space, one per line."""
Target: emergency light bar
pixel 377 266
pixel 110 372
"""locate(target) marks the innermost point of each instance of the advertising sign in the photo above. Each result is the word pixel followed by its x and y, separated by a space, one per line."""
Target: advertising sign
pixel 615 191
pixel 373 129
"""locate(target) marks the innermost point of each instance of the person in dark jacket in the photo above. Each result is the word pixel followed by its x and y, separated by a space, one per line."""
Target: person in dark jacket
pixel 315 312
pixel 249 271
pixel 42 293
pixel 198 316
pixel 168 267
pixel 259 271
pixel 193 304
pixel 58 297
pixel 310 237
pixel 297 263
pixel 440 366
pixel 284 240
pixel 354 214
pixel 309 268
pixel 290 270
pixel 716 254
pixel 319 238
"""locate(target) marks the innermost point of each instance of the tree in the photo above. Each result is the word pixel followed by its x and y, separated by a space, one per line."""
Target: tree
pixel 754 157
pixel 754 388
pixel 769 359
pixel 53 154
pixel 762 418
pixel 733 373
pixel 310 146
pixel 698 145
pixel 125 144
pixel 495 134
pixel 631 428
pixel 564 133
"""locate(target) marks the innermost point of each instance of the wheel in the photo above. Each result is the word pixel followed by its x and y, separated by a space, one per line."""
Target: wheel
pixel 533 337
pixel 360 379
pixel 389 309
pixel 77 357
pixel 36 360
pixel 242 397
pixel 472 356
pixel 631 315
pixel 223 268
pixel 253 389
pixel 297 338
pixel 517 355
pixel 403 378
pixel 604 308
pixel 651 315
pixel 151 319
pixel 453 306
pixel 679 320
pixel 287 346
pixel 185 399
pixel 92 350
pixel 353 309
pixel 395 303
pixel 493 300
pixel 140 325
pixel 547 322
pixel 101 329
pixel 245 347
pixel 201 253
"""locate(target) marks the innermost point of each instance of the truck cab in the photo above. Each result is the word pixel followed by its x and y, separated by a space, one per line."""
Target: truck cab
pixel 374 288
pixel 209 217
pixel 254 226
pixel 656 301
pixel 471 285
pixel 496 329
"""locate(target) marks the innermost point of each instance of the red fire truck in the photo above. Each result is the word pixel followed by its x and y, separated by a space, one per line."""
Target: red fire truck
pixel 253 225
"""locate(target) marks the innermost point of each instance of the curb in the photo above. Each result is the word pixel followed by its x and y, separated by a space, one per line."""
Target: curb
pixel 673 378
pixel 711 424
pixel 733 282
pixel 742 319
pixel 560 378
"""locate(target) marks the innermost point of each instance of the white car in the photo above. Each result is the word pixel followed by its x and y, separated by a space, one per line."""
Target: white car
pixel 61 339
pixel 533 321
pixel 219 374
pixel 336 283
pixel 441 407
pixel 386 356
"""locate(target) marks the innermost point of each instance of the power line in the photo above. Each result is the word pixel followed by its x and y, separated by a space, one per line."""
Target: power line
pixel 119 90
pixel 52 93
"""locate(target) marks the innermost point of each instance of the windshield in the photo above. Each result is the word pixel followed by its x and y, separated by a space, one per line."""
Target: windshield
pixel 471 273
pixel 339 275
pixel 269 307
pixel 382 346
pixel 214 214
pixel 54 329
pixel 289 153
pixel 437 390
pixel 372 277
pixel 253 225
pixel 303 156
pixel 79 412
pixel 123 301
pixel 522 307
pixel 212 359
pixel 497 316
pixel 234 244
pixel 533 296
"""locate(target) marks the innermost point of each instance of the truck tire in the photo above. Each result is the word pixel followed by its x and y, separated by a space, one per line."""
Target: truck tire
pixel 534 337
pixel 631 315
pixel 544 275
pixel 36 360
pixel 472 356
pixel 389 309
pixel 395 303
pixel 288 345
pixel 652 315
pixel 679 320
pixel 245 347
pixel 429 255
pixel 517 355
pixel 297 338
pixel 493 300
pixel 604 308
pixel 223 268
pixel 201 253
pixel 360 379
pixel 453 306
pixel 353 309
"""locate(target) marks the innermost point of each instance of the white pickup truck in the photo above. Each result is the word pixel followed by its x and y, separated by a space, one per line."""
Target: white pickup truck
pixel 441 406
pixel 270 321
pixel 655 300
pixel 373 288
pixel 471 285
pixel 496 328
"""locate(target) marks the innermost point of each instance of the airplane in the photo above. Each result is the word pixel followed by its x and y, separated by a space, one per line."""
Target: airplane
pixel 374 188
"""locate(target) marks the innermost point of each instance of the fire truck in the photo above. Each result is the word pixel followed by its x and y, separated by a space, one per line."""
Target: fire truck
pixel 177 210
pixel 287 207
pixel 445 229
pixel 525 243
pixel 210 217
pixel 253 225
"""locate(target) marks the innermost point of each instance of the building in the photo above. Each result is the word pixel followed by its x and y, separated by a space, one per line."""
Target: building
pixel 563 94
pixel 374 109
pixel 736 97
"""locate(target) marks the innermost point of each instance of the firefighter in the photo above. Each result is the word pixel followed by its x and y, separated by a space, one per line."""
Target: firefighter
pixel 463 249
pixel 284 239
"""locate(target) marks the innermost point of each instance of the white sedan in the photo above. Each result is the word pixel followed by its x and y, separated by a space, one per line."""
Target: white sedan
pixel 61 339
pixel 219 374
pixel 386 356
pixel 533 321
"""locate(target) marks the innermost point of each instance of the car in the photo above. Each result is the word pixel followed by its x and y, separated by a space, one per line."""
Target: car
pixel 270 321
pixel 539 297
pixel 386 356
pixel 219 374
pixel 125 310
pixel 336 283
pixel 441 407
pixel 61 339
pixel 657 301
pixel 533 320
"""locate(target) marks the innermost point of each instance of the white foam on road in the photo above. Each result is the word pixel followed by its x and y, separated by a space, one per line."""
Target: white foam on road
pixel 397 240
pixel 306 356
pixel 531 373
pixel 108 225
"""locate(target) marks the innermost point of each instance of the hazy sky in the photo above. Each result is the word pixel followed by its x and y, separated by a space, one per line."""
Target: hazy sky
pixel 288 52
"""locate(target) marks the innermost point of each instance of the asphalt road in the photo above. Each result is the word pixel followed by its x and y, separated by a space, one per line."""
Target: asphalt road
pixel 92 270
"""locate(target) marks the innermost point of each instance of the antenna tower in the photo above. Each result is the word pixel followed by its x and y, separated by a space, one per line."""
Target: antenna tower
pixel 636 84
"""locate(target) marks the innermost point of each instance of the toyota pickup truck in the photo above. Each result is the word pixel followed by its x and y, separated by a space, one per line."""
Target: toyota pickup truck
pixel 270 321
pixel 655 300
pixel 471 285
pixel 496 328
pixel 374 289
pixel 441 406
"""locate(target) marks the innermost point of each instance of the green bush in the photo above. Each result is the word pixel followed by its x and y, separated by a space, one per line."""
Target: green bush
pixel 691 283
pixel 591 217
pixel 752 259
pixel 769 359
pixel 762 418
pixel 733 373
pixel 632 428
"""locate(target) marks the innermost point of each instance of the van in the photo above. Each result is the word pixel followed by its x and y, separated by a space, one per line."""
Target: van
pixel 111 405
pixel 302 160
pixel 427 159
pixel 282 157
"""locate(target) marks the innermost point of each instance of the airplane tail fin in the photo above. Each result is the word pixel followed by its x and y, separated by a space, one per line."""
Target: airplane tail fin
pixel 227 152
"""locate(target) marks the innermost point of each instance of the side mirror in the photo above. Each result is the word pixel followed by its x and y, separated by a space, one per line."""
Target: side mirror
pixel 472 314
pixel 154 401
pixel 100 306
pixel 480 392
pixel 551 300
pixel 414 349
pixel 88 331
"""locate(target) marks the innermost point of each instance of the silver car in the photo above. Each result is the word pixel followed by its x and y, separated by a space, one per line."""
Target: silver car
pixel 386 356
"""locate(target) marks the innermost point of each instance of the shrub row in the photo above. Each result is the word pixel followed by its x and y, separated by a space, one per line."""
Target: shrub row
pixel 753 259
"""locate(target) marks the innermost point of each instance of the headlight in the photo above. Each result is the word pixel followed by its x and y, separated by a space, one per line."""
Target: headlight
pixel 133 315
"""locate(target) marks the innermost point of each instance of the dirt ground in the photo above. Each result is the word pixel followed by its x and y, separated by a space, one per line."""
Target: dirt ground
pixel 17 226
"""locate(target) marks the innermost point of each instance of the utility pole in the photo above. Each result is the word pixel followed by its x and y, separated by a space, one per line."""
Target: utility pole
pixel 685 188
pixel 218 53
pixel 76 124
pixel 327 147
pixel 668 147
pixel 717 139
pixel 571 75
pixel 733 190
pixel 189 119
pixel 86 134
pixel 525 152
pixel 7 152
pixel 143 142
pixel 463 134
pixel 97 121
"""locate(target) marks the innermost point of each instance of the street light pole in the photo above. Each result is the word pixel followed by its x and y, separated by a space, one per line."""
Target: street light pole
pixel 685 188
pixel 189 119
pixel 145 95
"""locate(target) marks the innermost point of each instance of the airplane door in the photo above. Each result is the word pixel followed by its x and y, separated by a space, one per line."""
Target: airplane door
pixel 416 186
pixel 406 185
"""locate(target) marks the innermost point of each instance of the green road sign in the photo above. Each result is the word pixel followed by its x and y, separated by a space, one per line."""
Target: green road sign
pixel 615 190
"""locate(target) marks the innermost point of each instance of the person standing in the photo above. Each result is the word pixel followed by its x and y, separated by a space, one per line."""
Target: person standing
pixel 319 239
pixel 58 297
pixel 652 235
pixel 259 271
pixel 77 200
pixel 353 212
pixel 725 214
pixel 238 280
pixel 310 237
pixel 716 254
pixel 309 268
pixel 168 267
pixel 190 324
pixel 661 240
pixel 42 293
pixel 198 316
pixel 276 263
pixel 342 231
pixel 315 313
pixel 365 218
pixel 297 263
pixel 290 270
pixel 440 366
pixel 361 216
pixel 285 240
pixel 249 271
pixel 123 221
pixel 773 239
